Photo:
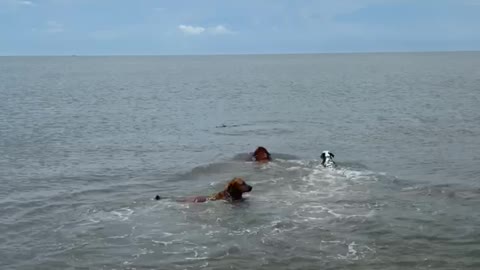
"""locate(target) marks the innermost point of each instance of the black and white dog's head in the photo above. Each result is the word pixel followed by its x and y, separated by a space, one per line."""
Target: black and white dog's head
pixel 327 159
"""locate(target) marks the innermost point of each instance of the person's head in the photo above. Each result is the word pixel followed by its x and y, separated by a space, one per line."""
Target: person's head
pixel 261 154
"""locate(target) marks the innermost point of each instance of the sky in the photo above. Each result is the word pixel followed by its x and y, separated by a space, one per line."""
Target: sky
pixel 148 27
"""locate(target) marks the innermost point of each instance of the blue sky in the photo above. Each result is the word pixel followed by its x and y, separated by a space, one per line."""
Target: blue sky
pixel 146 27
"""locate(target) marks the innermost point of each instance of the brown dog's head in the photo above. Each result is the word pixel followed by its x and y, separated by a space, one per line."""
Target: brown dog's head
pixel 261 154
pixel 236 187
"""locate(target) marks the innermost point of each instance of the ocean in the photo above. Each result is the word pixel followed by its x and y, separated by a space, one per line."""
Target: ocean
pixel 87 142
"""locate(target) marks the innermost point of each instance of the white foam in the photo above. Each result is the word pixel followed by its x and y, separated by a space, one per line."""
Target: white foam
pixel 331 242
pixel 210 233
pixel 165 243
pixel 195 258
pixel 293 197
pixel 119 236
pixel 300 162
pixel 240 232
pixel 351 249
pixel 123 213
pixel 172 252
pixel 195 251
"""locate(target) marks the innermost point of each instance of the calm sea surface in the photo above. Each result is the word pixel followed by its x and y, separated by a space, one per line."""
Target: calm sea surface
pixel 87 142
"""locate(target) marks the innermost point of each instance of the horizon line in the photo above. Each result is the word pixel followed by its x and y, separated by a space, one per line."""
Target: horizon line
pixel 236 54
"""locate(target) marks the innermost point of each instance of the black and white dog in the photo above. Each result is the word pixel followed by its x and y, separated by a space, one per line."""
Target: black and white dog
pixel 327 159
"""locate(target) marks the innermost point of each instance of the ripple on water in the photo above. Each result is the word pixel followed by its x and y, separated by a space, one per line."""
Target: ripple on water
pixel 298 211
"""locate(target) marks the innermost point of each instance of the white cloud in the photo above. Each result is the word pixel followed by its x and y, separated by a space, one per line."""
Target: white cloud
pixel 54 27
pixel 16 3
pixel 197 30
pixel 191 30
pixel 25 3
pixel 219 30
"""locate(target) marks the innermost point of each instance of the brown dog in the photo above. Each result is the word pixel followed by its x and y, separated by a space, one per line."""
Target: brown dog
pixel 233 192
pixel 261 154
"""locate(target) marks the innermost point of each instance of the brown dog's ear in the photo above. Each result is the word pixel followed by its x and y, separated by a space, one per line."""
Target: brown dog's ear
pixel 331 154
pixel 231 184
pixel 233 189
pixel 322 156
pixel 227 187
